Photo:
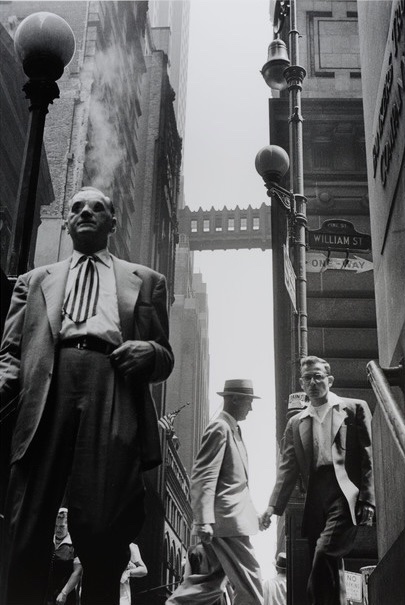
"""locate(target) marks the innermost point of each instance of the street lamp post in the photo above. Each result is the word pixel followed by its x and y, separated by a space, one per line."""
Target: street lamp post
pixel 45 44
pixel 279 73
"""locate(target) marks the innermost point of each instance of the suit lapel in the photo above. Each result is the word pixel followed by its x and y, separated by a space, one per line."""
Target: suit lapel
pixel 240 446
pixel 242 450
pixel 338 416
pixel 128 287
pixel 53 288
pixel 305 432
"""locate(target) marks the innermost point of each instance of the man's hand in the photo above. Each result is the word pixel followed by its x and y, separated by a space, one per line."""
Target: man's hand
pixel 125 576
pixel 205 532
pixel 364 513
pixel 265 519
pixel 61 598
pixel 133 356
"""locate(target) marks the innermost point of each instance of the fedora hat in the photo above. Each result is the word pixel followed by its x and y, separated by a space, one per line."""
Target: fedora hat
pixel 238 386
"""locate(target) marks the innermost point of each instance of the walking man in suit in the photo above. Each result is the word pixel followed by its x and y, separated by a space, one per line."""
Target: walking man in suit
pixel 224 515
pixel 83 340
pixel 329 445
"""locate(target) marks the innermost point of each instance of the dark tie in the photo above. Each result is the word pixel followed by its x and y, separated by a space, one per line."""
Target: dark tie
pixel 81 302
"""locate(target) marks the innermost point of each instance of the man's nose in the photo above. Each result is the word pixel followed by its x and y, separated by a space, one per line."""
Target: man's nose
pixel 86 210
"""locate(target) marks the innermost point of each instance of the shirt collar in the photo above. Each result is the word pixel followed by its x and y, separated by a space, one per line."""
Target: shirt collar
pixel 332 402
pixel 66 540
pixel 103 256
pixel 231 420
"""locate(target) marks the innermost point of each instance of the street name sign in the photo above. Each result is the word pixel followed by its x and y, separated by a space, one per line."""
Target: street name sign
pixel 289 278
pixel 338 235
pixel 317 262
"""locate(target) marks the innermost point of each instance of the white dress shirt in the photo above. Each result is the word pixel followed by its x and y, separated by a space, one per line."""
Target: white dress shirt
pixel 106 323
pixel 322 431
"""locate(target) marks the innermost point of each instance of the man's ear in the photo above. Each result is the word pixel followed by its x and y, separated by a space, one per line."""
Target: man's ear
pixel 302 384
pixel 113 224
pixel 65 224
pixel 331 380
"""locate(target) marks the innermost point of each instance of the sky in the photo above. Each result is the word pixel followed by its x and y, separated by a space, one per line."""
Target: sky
pixel 226 125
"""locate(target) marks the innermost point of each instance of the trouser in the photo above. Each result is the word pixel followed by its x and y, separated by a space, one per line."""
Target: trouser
pixel 331 534
pixel 87 443
pixel 233 558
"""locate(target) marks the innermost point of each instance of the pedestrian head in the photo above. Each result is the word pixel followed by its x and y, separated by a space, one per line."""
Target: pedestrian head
pixel 90 220
pixel 281 562
pixel 238 397
pixel 61 526
pixel 316 378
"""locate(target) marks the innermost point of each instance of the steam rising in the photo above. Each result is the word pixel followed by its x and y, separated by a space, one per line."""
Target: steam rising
pixel 107 152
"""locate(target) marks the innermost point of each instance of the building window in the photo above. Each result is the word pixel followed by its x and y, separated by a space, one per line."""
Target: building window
pixel 206 225
pixel 243 223
pixel 231 224
pixel 218 223
pixel 194 226
pixel 256 223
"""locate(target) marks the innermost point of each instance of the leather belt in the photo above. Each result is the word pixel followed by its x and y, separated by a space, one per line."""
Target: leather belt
pixel 91 343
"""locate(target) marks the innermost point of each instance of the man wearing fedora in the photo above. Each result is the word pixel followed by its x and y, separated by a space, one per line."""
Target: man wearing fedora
pixel 275 589
pixel 224 515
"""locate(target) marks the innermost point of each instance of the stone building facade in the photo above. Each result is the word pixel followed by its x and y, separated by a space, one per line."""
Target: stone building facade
pixel 382 52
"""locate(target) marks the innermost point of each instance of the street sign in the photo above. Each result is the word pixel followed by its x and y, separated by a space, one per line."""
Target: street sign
pixel 354 587
pixel 289 278
pixel 317 262
pixel 339 235
pixel 297 400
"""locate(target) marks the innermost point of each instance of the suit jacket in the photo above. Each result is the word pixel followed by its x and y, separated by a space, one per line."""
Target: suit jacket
pixel 219 482
pixel 351 455
pixel 31 333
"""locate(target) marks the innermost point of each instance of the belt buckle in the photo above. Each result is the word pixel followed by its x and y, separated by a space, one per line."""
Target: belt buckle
pixel 82 344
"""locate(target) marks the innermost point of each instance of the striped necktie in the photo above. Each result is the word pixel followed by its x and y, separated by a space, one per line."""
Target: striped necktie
pixel 81 302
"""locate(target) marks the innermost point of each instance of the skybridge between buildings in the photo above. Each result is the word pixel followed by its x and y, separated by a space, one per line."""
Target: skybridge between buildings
pixel 235 229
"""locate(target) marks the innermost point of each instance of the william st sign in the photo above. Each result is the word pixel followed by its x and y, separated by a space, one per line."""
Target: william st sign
pixel 338 235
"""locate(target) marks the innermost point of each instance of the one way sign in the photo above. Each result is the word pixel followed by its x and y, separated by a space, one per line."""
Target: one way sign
pixel 316 262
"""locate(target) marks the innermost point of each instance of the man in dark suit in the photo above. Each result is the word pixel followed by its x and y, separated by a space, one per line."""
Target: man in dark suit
pixel 224 515
pixel 329 445
pixel 83 340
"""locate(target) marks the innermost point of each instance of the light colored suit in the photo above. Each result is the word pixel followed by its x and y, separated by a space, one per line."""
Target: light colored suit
pixel 220 497
pixel 219 482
